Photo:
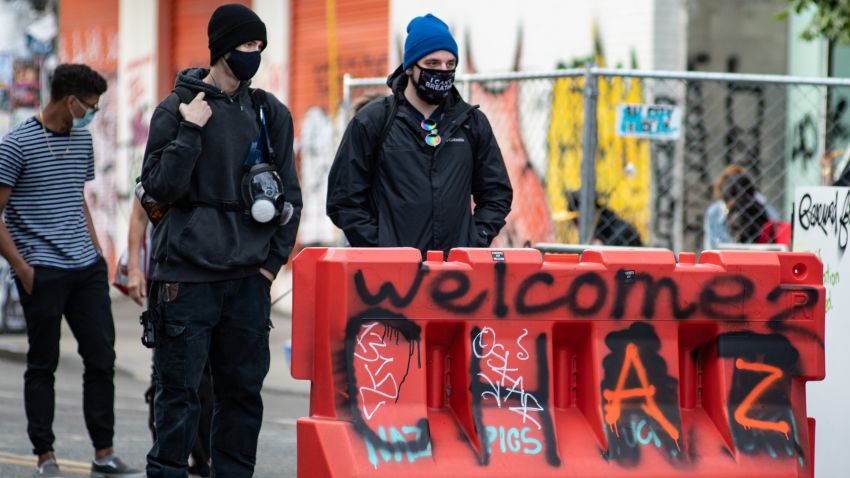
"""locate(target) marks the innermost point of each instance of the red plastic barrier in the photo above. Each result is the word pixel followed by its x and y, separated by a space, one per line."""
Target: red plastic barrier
pixel 507 364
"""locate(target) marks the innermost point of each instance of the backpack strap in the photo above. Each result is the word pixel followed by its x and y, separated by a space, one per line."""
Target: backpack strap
pixel 184 93
pixel 260 103
pixel 470 131
pixel 390 110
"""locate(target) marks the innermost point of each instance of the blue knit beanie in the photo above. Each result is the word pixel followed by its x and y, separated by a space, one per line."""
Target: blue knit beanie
pixel 426 35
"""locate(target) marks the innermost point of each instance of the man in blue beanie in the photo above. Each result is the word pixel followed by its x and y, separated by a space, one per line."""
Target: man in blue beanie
pixel 409 164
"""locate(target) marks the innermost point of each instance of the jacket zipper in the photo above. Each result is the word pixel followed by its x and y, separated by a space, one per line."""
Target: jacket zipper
pixel 462 116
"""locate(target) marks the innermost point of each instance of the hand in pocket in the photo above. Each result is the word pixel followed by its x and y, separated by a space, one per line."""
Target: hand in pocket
pixel 27 277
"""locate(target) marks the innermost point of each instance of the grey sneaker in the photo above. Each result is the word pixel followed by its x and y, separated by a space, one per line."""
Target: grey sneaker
pixel 48 468
pixel 112 468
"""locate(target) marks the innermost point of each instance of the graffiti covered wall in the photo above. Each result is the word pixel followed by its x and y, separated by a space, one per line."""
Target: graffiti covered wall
pixel 623 177
pixel 89 34
pixel 329 39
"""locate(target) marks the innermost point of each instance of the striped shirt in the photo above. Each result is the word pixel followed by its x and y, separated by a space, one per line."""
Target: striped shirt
pixel 44 214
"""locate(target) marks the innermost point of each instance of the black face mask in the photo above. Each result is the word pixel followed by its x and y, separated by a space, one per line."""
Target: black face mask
pixel 434 85
pixel 244 64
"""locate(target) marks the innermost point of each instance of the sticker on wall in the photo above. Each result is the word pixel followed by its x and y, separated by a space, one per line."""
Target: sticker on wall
pixel 25 86
pixel 662 122
pixel 6 78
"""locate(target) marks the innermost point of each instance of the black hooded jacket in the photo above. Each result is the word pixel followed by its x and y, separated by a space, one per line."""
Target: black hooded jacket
pixel 185 164
pixel 420 196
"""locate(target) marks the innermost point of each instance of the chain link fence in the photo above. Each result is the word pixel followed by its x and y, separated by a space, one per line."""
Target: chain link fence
pixel 739 146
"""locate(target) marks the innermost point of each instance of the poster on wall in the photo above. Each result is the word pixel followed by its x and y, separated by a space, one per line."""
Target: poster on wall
pixel 25 85
pixel 661 122
pixel 6 78
pixel 822 226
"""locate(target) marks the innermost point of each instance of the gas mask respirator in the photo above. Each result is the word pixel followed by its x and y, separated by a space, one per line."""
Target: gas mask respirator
pixel 262 188
pixel 262 193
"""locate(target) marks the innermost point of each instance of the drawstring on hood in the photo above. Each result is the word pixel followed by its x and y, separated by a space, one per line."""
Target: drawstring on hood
pixel 193 78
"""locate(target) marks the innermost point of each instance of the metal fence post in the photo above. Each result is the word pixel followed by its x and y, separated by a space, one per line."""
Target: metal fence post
pixel 346 94
pixel 587 201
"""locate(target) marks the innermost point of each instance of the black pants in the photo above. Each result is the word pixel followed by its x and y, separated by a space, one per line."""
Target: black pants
pixel 228 323
pixel 201 448
pixel 82 296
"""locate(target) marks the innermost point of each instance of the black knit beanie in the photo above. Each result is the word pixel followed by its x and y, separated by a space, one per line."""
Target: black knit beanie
pixel 232 25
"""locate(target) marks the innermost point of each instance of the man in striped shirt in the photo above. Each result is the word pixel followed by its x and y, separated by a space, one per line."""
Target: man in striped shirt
pixel 48 238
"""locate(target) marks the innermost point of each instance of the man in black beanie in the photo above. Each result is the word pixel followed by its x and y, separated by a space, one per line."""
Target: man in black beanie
pixel 220 156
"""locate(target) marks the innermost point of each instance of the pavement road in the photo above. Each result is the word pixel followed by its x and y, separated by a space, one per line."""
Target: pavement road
pixel 284 403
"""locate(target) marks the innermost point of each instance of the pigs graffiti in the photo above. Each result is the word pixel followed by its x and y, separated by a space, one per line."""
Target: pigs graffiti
pixel 760 413
pixel 373 341
pixel 500 384
pixel 640 400
pixel 513 440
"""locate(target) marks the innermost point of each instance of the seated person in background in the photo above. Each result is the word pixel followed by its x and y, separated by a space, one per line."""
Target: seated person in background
pixel 838 172
pixel 748 219
pixel 715 230
pixel 609 229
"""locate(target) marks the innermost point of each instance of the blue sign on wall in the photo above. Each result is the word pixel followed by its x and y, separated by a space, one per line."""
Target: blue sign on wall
pixel 649 121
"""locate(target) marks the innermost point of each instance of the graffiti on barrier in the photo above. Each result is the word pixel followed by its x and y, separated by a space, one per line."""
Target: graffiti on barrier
pixel 511 407
pixel 588 294
pixel 640 399
pixel 498 383
pixel 380 347
pixel 759 405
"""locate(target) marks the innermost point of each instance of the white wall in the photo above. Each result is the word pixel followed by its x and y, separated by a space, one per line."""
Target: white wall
pixel 136 96
pixel 744 30
pixel 670 48
pixel 274 70
pixel 553 30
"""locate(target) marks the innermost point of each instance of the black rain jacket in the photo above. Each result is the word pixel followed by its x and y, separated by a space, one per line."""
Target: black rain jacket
pixel 412 194
pixel 185 164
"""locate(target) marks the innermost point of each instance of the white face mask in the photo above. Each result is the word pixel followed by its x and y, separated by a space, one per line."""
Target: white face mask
pixel 87 117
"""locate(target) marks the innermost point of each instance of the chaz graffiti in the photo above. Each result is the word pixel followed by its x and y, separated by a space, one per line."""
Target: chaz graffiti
pixel 511 365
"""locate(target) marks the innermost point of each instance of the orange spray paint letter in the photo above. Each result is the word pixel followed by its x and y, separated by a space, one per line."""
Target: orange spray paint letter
pixel 774 374
pixel 615 397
